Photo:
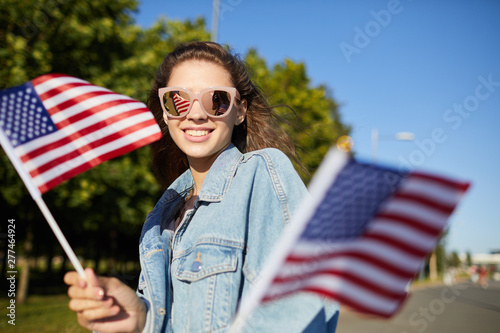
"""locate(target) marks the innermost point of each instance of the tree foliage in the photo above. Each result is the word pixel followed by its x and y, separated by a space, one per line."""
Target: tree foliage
pixel 314 124
pixel 453 259
pixel 102 210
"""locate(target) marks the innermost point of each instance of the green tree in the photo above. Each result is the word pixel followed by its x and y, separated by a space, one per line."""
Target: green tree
pixel 454 259
pixel 440 258
pixel 468 259
pixel 315 123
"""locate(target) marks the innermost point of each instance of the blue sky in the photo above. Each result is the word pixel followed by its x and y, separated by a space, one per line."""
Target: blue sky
pixel 426 67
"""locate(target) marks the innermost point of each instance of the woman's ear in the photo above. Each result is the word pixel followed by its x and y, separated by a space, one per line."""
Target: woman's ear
pixel 165 119
pixel 242 112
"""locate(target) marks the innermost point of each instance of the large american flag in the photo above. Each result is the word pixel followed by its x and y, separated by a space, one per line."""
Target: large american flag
pixel 59 126
pixel 368 237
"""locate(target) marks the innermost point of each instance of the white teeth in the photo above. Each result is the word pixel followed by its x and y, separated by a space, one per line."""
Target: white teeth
pixel 196 133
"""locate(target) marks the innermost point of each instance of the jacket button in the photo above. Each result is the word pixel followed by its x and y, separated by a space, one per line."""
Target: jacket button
pixel 162 311
pixel 196 266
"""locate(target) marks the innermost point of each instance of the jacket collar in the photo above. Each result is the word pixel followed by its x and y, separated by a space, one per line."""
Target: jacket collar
pixel 216 181
pixel 220 175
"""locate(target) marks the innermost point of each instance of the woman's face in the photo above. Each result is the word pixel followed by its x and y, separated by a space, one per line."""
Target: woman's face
pixel 201 137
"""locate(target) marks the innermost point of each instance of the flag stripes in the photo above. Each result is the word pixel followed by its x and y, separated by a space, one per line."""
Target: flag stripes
pixel 78 130
pixel 92 158
pixel 181 104
pixel 367 250
pixel 44 162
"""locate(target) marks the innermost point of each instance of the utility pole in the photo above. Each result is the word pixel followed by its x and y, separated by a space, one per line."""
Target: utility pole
pixel 215 20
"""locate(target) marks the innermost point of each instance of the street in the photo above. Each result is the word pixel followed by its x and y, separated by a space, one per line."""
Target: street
pixel 464 307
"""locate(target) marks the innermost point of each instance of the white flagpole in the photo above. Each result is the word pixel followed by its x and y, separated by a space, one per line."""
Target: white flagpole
pixel 37 196
pixel 319 185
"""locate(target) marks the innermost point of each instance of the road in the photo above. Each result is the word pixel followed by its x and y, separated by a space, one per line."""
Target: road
pixel 462 308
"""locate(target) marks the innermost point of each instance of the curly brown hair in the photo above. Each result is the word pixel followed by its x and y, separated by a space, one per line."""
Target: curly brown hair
pixel 260 129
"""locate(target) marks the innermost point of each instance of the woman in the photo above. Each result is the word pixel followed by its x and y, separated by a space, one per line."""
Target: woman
pixel 229 197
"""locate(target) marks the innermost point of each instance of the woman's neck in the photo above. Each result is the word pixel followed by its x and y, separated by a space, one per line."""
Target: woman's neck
pixel 198 178
pixel 199 169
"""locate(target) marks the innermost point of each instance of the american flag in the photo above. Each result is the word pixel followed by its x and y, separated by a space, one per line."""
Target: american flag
pixel 368 236
pixel 59 126
pixel 181 104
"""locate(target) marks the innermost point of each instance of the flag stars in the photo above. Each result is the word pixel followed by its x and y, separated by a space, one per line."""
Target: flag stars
pixel 352 202
pixel 23 117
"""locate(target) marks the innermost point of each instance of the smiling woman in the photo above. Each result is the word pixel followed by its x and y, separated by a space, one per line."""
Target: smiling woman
pixel 230 194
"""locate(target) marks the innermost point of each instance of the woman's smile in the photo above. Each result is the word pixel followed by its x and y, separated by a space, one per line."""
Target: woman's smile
pixel 197 134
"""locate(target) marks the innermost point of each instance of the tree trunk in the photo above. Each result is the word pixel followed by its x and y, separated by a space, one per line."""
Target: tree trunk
pixel 113 250
pixel 24 279
pixel 50 257
pixel 433 267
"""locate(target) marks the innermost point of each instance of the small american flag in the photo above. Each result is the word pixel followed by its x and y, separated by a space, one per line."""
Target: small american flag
pixel 181 104
pixel 368 237
pixel 59 126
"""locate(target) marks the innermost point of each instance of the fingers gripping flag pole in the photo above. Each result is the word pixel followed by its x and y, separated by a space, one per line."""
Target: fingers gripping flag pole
pixel 360 238
pixel 57 126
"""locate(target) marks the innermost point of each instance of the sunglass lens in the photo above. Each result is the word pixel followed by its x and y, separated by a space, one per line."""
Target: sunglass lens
pixel 216 102
pixel 176 102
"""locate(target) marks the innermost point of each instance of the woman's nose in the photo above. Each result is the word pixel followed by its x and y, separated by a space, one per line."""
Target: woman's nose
pixel 196 112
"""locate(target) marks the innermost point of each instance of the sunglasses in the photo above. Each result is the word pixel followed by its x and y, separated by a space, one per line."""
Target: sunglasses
pixel 215 101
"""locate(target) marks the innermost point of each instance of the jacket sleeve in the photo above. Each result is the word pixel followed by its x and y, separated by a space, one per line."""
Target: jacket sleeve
pixel 283 191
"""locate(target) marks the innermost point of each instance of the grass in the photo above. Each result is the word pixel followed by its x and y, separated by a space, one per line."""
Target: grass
pixel 41 314
pixel 46 309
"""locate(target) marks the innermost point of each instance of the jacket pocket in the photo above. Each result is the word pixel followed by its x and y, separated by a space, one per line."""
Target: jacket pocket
pixel 206 260
pixel 206 285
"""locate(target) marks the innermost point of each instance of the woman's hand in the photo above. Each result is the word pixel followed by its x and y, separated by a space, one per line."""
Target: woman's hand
pixel 105 304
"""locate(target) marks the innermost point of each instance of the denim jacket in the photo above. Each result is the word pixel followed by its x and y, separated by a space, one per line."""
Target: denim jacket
pixel 192 279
